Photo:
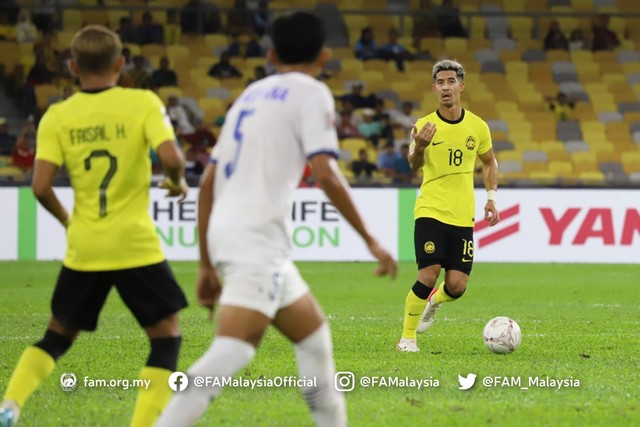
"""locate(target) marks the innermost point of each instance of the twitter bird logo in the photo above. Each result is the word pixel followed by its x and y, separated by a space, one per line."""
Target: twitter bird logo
pixel 466 382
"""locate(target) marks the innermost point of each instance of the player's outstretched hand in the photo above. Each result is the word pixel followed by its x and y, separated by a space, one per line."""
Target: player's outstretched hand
pixel 208 288
pixel 179 190
pixel 491 213
pixel 423 136
pixel 386 263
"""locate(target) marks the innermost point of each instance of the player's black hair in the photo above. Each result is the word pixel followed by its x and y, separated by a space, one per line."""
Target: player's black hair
pixel 298 37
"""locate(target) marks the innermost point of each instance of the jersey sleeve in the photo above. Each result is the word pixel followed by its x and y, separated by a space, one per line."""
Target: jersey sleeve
pixel 48 145
pixel 157 125
pixel 485 138
pixel 317 125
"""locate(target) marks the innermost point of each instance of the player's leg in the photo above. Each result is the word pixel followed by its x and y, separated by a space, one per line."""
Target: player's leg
pixel 247 305
pixel 458 263
pixel 238 334
pixel 76 304
pixel 154 297
pixel 301 320
pixel 429 250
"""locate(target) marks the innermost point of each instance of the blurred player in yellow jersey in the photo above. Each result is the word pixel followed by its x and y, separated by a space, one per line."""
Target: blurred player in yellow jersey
pixel 102 135
pixel 445 146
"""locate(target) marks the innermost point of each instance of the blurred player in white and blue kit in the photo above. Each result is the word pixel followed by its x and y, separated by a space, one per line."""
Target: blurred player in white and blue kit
pixel 274 128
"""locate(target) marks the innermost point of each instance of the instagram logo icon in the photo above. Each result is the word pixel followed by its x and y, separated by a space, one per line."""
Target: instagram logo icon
pixel 345 381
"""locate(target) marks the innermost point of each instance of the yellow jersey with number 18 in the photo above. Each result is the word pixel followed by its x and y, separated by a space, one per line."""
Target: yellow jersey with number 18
pixel 446 193
pixel 103 138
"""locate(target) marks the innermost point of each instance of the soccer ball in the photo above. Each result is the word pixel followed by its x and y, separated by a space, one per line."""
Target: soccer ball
pixel 502 335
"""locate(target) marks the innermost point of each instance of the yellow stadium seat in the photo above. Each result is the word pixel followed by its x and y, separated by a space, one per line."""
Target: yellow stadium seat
pixel 177 54
pixel 561 168
pixel 166 91
pixel 353 144
pixel 521 27
pixel 352 65
pixel 594 177
pixel 456 45
pixel 216 40
pixel 72 20
pixel 630 161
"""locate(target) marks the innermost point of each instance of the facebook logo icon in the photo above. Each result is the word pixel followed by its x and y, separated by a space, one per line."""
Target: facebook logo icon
pixel 178 381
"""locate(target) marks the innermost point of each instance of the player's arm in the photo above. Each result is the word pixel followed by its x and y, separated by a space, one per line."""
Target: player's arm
pixel 173 165
pixel 208 285
pixel 329 178
pixel 42 186
pixel 490 177
pixel 421 140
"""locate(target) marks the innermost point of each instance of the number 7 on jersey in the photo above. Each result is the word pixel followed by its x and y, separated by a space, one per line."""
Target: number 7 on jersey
pixel 230 167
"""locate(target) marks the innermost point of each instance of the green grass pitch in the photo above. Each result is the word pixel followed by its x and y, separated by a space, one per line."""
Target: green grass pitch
pixel 578 321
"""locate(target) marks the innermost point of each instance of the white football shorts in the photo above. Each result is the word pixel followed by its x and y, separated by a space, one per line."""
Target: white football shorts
pixel 265 289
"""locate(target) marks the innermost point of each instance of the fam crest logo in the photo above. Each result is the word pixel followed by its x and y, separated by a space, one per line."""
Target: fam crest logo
pixel 68 381
pixel 470 143
pixel 429 247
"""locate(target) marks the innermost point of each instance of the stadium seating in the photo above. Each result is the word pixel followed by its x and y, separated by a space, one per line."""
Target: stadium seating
pixel 509 77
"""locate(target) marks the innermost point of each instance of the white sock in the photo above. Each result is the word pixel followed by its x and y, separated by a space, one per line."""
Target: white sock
pixel 225 358
pixel 315 359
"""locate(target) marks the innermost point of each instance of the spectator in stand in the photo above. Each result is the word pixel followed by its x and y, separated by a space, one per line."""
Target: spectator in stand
pixel 357 99
pixel 394 51
pixel 202 140
pixel 366 47
pixel 126 30
pixel 64 74
pixel 447 16
pixel 404 119
pixel 347 105
pixel 139 75
pixel 562 107
pixel 261 18
pixel 128 60
pixel 386 130
pixel 224 69
pixel 240 18
pixel 363 168
pixel 603 37
pixel 259 73
pixel 44 14
pixel 23 155
pixel 368 128
pixel 555 38
pixel 7 141
pixel 346 129
pixel 576 40
pixel 380 110
pixel 424 21
pixel 40 73
pixel 148 32
pixel 179 117
pixel 196 14
pixel 26 31
pixel 402 172
pixel 172 30
pixel 164 76
pixel 387 160
pixel 244 48
pixel 47 47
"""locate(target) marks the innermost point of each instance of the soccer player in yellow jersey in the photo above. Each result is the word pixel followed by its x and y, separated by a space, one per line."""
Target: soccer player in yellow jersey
pixel 103 136
pixel 445 146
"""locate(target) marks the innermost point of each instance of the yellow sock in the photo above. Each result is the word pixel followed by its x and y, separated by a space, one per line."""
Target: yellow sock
pixel 151 401
pixel 34 366
pixel 413 308
pixel 441 296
